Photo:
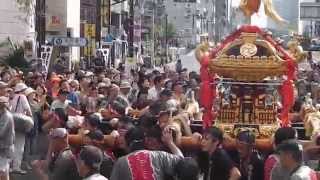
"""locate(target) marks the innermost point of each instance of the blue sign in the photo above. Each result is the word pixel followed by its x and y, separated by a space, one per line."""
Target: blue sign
pixel 109 38
pixel 70 42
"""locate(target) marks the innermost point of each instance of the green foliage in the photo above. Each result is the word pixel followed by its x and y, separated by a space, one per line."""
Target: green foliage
pixel 15 59
pixel 160 30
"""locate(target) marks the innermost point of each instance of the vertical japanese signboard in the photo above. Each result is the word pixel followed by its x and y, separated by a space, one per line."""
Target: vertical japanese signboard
pixel 105 13
pixel 89 33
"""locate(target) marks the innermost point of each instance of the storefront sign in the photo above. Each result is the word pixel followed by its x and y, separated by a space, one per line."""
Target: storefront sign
pixel 90 33
pixel 105 13
pixel 55 23
pixel 70 42
pixel 89 30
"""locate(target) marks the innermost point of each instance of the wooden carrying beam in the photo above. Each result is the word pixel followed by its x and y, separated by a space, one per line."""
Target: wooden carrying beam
pixel 188 143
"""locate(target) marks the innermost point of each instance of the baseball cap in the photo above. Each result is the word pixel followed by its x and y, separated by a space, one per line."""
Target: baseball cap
pixel 92 156
pixel 93 119
pixel 290 146
pixel 215 132
pixel 166 92
pixel 55 79
pixel 96 135
pixel 247 137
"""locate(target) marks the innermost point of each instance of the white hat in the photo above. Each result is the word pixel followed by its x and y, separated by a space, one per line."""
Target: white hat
pixel 28 91
pixel 124 85
pixel 102 85
pixel 107 81
pixel 58 133
pixel 3 84
pixel 172 105
pixel 4 99
pixel 20 87
pixel 74 81
pixel 89 73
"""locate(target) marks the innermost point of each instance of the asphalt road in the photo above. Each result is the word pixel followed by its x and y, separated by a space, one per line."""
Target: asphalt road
pixel 188 61
pixel 28 176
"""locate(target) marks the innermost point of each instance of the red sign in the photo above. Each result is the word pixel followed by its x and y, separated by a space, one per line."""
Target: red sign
pixel 55 20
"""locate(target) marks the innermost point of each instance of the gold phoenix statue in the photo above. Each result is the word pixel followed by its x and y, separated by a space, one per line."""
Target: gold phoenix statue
pixel 296 50
pixel 249 7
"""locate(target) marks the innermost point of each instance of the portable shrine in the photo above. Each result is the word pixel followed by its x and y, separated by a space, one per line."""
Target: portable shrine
pixel 247 83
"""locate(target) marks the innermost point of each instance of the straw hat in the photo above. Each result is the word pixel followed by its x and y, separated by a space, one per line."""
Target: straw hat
pixel 125 85
pixel 20 87
pixel 4 99
pixel 28 91
pixel 3 84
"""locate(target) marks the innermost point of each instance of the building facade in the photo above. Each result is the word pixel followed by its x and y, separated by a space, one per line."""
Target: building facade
pixel 194 18
pixel 188 19
pixel 88 28
pixel 16 25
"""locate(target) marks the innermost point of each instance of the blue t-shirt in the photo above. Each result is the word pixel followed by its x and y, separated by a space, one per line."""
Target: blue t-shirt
pixel 73 97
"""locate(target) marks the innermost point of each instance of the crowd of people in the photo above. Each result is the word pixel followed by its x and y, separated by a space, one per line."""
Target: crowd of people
pixel 144 114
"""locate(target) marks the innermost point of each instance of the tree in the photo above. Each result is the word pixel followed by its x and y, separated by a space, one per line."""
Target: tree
pixel 15 59
pixel 160 30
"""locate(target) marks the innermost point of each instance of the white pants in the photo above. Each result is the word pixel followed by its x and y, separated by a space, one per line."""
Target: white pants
pixel 18 150
pixel 4 165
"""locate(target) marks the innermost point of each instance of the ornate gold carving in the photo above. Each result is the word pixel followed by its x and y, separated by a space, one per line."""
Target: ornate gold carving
pixel 264 131
pixel 203 50
pixel 248 50
pixel 249 37
pixel 249 66
pixel 296 50
pixel 247 69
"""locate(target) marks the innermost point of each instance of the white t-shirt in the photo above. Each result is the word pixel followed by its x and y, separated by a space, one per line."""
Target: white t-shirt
pixel 153 93
pixel 20 104
pixel 58 104
pixel 96 177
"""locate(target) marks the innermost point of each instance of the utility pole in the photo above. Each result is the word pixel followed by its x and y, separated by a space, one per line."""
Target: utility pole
pixel 40 24
pixel 153 32
pixel 98 22
pixel 131 29
pixel 120 16
pixel 166 50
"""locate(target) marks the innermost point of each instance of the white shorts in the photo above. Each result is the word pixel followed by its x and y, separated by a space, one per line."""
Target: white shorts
pixel 4 164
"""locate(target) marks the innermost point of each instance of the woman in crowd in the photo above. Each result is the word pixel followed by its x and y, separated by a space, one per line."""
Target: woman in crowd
pixel 7 136
pixel 20 105
pixel 214 161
